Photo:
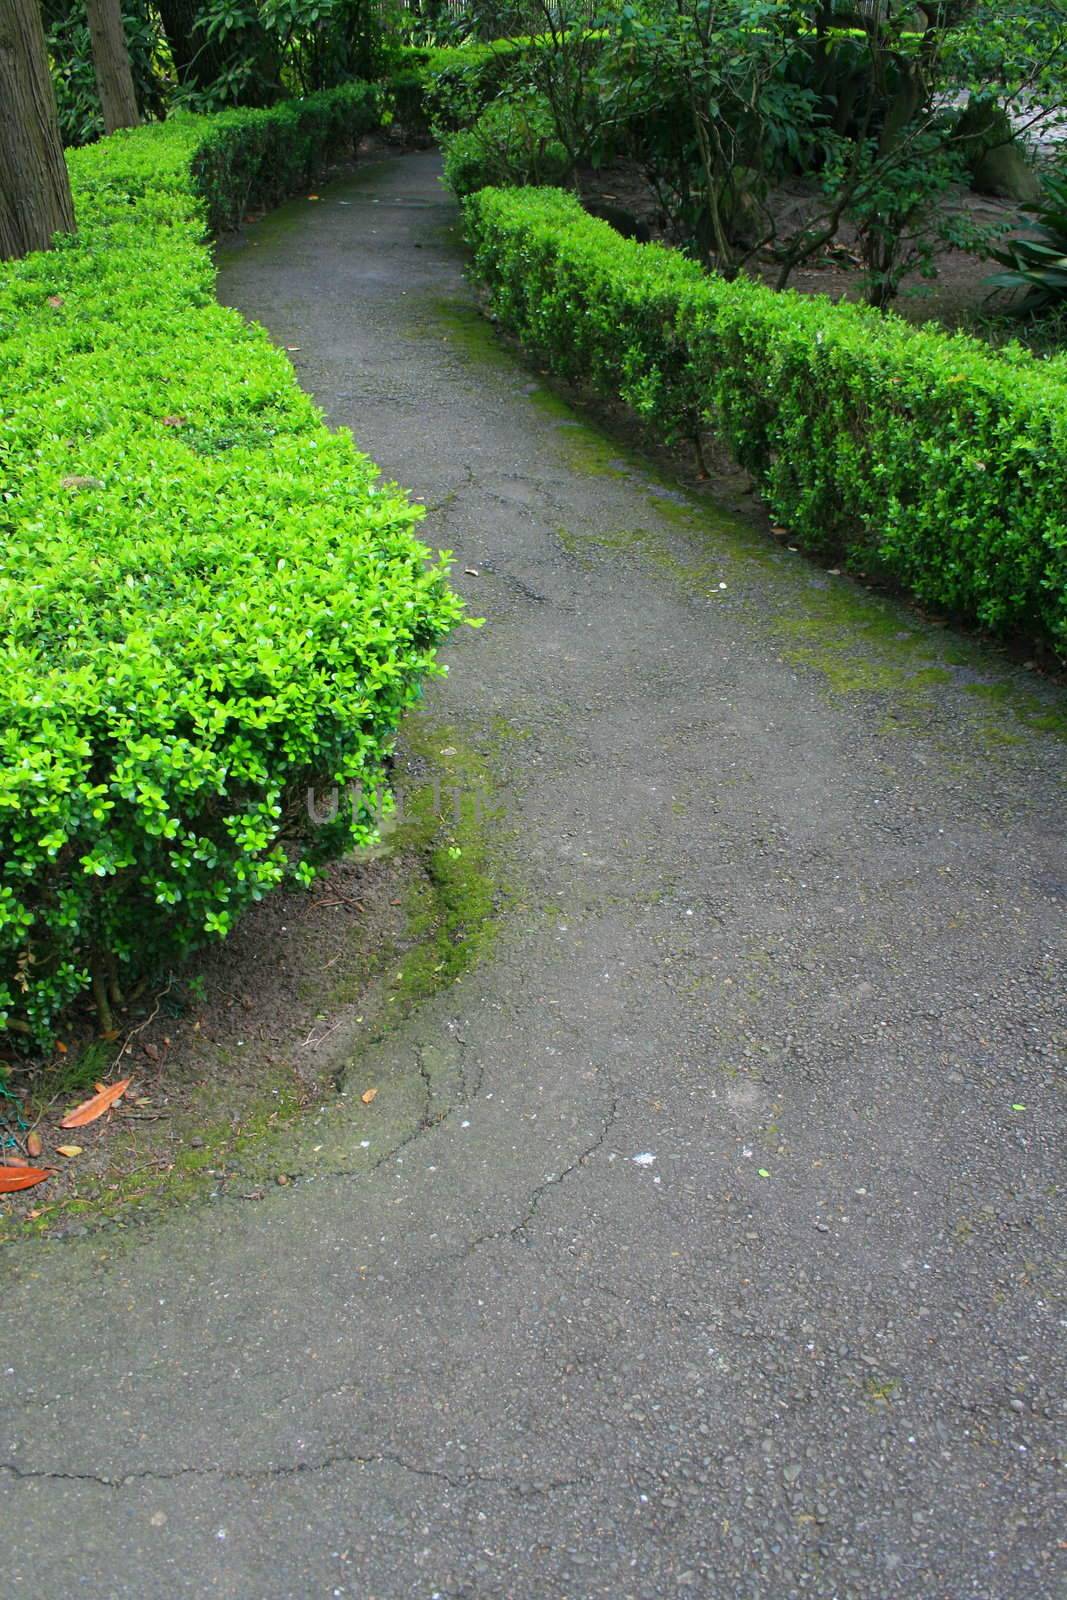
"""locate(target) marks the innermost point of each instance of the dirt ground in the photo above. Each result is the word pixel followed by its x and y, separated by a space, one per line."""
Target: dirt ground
pixel 958 297
pixel 227 1050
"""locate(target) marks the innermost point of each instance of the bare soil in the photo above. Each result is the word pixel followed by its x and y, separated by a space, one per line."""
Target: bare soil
pixel 957 298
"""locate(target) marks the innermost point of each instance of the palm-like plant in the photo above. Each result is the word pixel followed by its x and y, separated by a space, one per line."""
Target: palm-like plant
pixel 1037 261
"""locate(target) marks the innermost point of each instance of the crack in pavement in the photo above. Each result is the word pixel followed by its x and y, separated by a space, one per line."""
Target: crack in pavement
pixel 267 1474
pixel 517 1230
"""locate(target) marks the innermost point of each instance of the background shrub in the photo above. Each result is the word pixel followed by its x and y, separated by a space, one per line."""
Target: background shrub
pixel 926 459
pixel 513 141
pixel 208 601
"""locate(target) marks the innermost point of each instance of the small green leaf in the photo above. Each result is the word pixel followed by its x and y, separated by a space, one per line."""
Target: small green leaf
pixel 763 1173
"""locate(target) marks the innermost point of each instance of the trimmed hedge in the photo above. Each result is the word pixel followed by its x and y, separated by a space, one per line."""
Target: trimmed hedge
pixel 924 459
pixel 208 601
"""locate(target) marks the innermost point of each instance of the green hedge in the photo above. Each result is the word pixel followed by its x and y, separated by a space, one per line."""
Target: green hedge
pixel 924 459
pixel 208 601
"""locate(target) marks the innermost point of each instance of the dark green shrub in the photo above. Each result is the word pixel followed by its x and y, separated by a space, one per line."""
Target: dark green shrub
pixel 1037 262
pixel 446 89
pixel 208 601
pixel 74 75
pixel 928 460
pixel 512 142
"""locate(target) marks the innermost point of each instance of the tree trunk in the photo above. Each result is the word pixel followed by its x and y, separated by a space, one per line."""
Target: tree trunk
pixel 35 200
pixel 111 58
pixel 197 59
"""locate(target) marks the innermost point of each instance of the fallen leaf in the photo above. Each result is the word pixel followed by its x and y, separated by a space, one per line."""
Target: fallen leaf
pixel 21 1178
pixel 174 422
pixel 95 1107
pixel 69 1150
pixel 472 572
pixel 55 299
pixel 763 1173
pixel 151 1051
pixel 34 1143
pixel 1018 1106
pixel 313 197
pixel 75 481
pixel 368 1095
pixel 61 1048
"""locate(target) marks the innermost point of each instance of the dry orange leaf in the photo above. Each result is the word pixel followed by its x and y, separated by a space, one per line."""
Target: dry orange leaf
pixel 368 1095
pixel 34 1144
pixel 95 1107
pixel 21 1178
pixel 69 1150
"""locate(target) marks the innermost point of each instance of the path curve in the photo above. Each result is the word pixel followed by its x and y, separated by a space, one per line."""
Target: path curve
pixel 728 1272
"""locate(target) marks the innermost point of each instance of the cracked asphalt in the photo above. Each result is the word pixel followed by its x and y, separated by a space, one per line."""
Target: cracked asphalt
pixel 716 1254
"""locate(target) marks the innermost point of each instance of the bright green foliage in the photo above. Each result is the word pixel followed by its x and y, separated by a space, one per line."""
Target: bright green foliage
pixel 207 600
pixel 925 459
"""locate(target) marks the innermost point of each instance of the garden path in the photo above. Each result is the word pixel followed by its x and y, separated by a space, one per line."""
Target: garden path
pixel 727 1269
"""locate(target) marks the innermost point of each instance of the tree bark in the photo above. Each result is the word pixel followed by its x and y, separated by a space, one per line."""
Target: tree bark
pixel 111 58
pixel 35 200
pixel 197 59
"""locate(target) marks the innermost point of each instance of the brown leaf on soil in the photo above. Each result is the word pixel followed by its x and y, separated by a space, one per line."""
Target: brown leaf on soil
pixel 12 1178
pixel 34 1143
pixel 69 1150
pixel 368 1095
pixel 95 1107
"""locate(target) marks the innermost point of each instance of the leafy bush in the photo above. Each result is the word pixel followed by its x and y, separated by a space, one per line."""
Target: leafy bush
pixel 447 88
pixel 207 600
pixel 1037 262
pixel 513 141
pixel 925 459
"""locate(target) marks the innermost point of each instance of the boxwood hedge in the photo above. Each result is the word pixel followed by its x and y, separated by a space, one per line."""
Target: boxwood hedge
pixel 207 600
pixel 924 459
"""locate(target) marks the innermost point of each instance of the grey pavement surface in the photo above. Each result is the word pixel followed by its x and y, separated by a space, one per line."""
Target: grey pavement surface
pixel 730 1270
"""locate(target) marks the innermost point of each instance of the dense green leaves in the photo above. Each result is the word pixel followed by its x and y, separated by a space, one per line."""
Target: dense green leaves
pixel 929 460
pixel 207 600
